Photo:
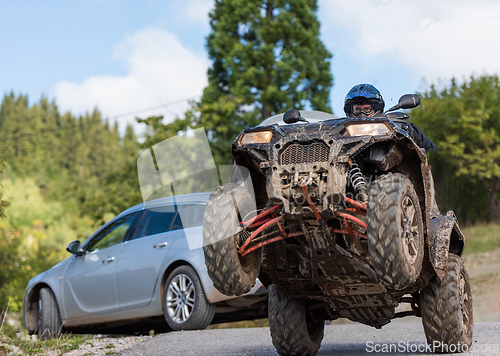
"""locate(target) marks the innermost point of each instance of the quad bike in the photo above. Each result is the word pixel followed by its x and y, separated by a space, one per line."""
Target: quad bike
pixel 341 223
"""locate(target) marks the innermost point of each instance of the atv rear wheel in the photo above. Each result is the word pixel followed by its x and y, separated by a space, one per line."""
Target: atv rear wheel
pixel 292 332
pixel 230 273
pixel 447 309
pixel 395 231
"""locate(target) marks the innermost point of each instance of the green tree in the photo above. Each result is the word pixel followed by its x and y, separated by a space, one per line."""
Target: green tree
pixel 268 54
pixel 8 253
pixel 9 262
pixel 464 121
pixel 266 58
pixel 18 129
pixel 157 131
pixel 122 183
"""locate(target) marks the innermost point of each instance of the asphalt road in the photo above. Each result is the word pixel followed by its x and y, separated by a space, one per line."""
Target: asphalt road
pixel 350 339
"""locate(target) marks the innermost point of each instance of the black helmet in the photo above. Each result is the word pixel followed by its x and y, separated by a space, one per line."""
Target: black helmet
pixel 364 94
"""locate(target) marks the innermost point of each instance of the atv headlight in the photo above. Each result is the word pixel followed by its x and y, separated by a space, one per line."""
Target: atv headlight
pixel 256 137
pixel 368 129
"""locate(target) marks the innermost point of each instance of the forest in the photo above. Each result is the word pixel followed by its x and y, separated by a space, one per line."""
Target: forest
pixel 62 177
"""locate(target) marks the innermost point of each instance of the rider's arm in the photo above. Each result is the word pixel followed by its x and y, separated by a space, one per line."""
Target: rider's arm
pixel 420 138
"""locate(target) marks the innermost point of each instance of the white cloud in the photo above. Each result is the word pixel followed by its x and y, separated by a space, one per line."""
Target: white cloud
pixel 433 39
pixel 160 70
pixel 196 11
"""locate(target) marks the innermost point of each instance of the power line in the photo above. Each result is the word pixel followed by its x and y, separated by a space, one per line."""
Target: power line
pixel 106 118
pixel 154 107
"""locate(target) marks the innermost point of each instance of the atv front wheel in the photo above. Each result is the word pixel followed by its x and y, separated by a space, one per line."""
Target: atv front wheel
pixel 447 309
pixel 292 332
pixel 230 273
pixel 395 231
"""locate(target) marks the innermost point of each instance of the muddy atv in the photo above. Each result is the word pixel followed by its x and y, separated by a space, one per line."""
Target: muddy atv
pixel 337 217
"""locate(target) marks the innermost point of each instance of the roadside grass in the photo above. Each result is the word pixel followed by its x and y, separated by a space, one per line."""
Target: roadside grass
pixel 481 238
pixel 26 345
pixel 15 341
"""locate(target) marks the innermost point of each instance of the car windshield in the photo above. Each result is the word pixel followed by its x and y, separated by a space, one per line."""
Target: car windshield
pixel 311 116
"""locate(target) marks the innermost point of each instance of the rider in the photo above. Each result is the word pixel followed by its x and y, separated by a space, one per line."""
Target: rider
pixel 364 100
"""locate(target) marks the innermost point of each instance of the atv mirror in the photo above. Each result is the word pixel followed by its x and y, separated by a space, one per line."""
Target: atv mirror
pixel 74 248
pixel 407 101
pixel 292 116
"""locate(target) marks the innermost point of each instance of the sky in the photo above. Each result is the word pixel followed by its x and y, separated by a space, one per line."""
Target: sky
pixel 141 58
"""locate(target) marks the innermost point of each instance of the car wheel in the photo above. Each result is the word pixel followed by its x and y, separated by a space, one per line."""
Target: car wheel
pixel 185 305
pixel 447 309
pixel 292 332
pixel 395 231
pixel 49 319
pixel 231 274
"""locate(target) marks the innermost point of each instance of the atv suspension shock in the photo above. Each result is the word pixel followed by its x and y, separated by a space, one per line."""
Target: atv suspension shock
pixel 358 182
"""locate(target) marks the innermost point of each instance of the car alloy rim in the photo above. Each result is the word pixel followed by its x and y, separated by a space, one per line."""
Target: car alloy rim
pixel 410 229
pixel 180 298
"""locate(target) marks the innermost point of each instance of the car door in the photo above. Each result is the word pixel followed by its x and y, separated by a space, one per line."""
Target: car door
pixel 140 259
pixel 89 284
pixel 190 216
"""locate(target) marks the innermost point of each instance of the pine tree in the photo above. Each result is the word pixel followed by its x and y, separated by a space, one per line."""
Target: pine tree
pixel 6 124
pixel 18 133
pixel 122 183
pixel 266 58
pixel 46 139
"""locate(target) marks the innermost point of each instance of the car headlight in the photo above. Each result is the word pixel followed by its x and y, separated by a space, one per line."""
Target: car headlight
pixel 368 129
pixel 256 137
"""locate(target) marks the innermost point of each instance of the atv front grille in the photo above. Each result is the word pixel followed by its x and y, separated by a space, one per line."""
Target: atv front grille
pixel 297 153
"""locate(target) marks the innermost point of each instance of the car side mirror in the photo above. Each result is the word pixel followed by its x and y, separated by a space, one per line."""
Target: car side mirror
pixel 74 248
pixel 292 116
pixel 407 101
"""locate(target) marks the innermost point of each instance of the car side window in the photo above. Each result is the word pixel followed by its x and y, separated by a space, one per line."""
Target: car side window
pixel 155 221
pixel 113 234
pixel 189 215
pixel 196 212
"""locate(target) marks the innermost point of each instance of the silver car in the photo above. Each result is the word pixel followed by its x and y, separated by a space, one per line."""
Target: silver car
pixel 144 264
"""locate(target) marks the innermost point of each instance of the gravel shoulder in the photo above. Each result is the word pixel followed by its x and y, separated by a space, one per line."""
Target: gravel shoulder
pixel 484 275
pixel 104 345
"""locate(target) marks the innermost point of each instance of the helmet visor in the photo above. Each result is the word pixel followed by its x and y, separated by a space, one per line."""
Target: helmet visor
pixel 362 108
